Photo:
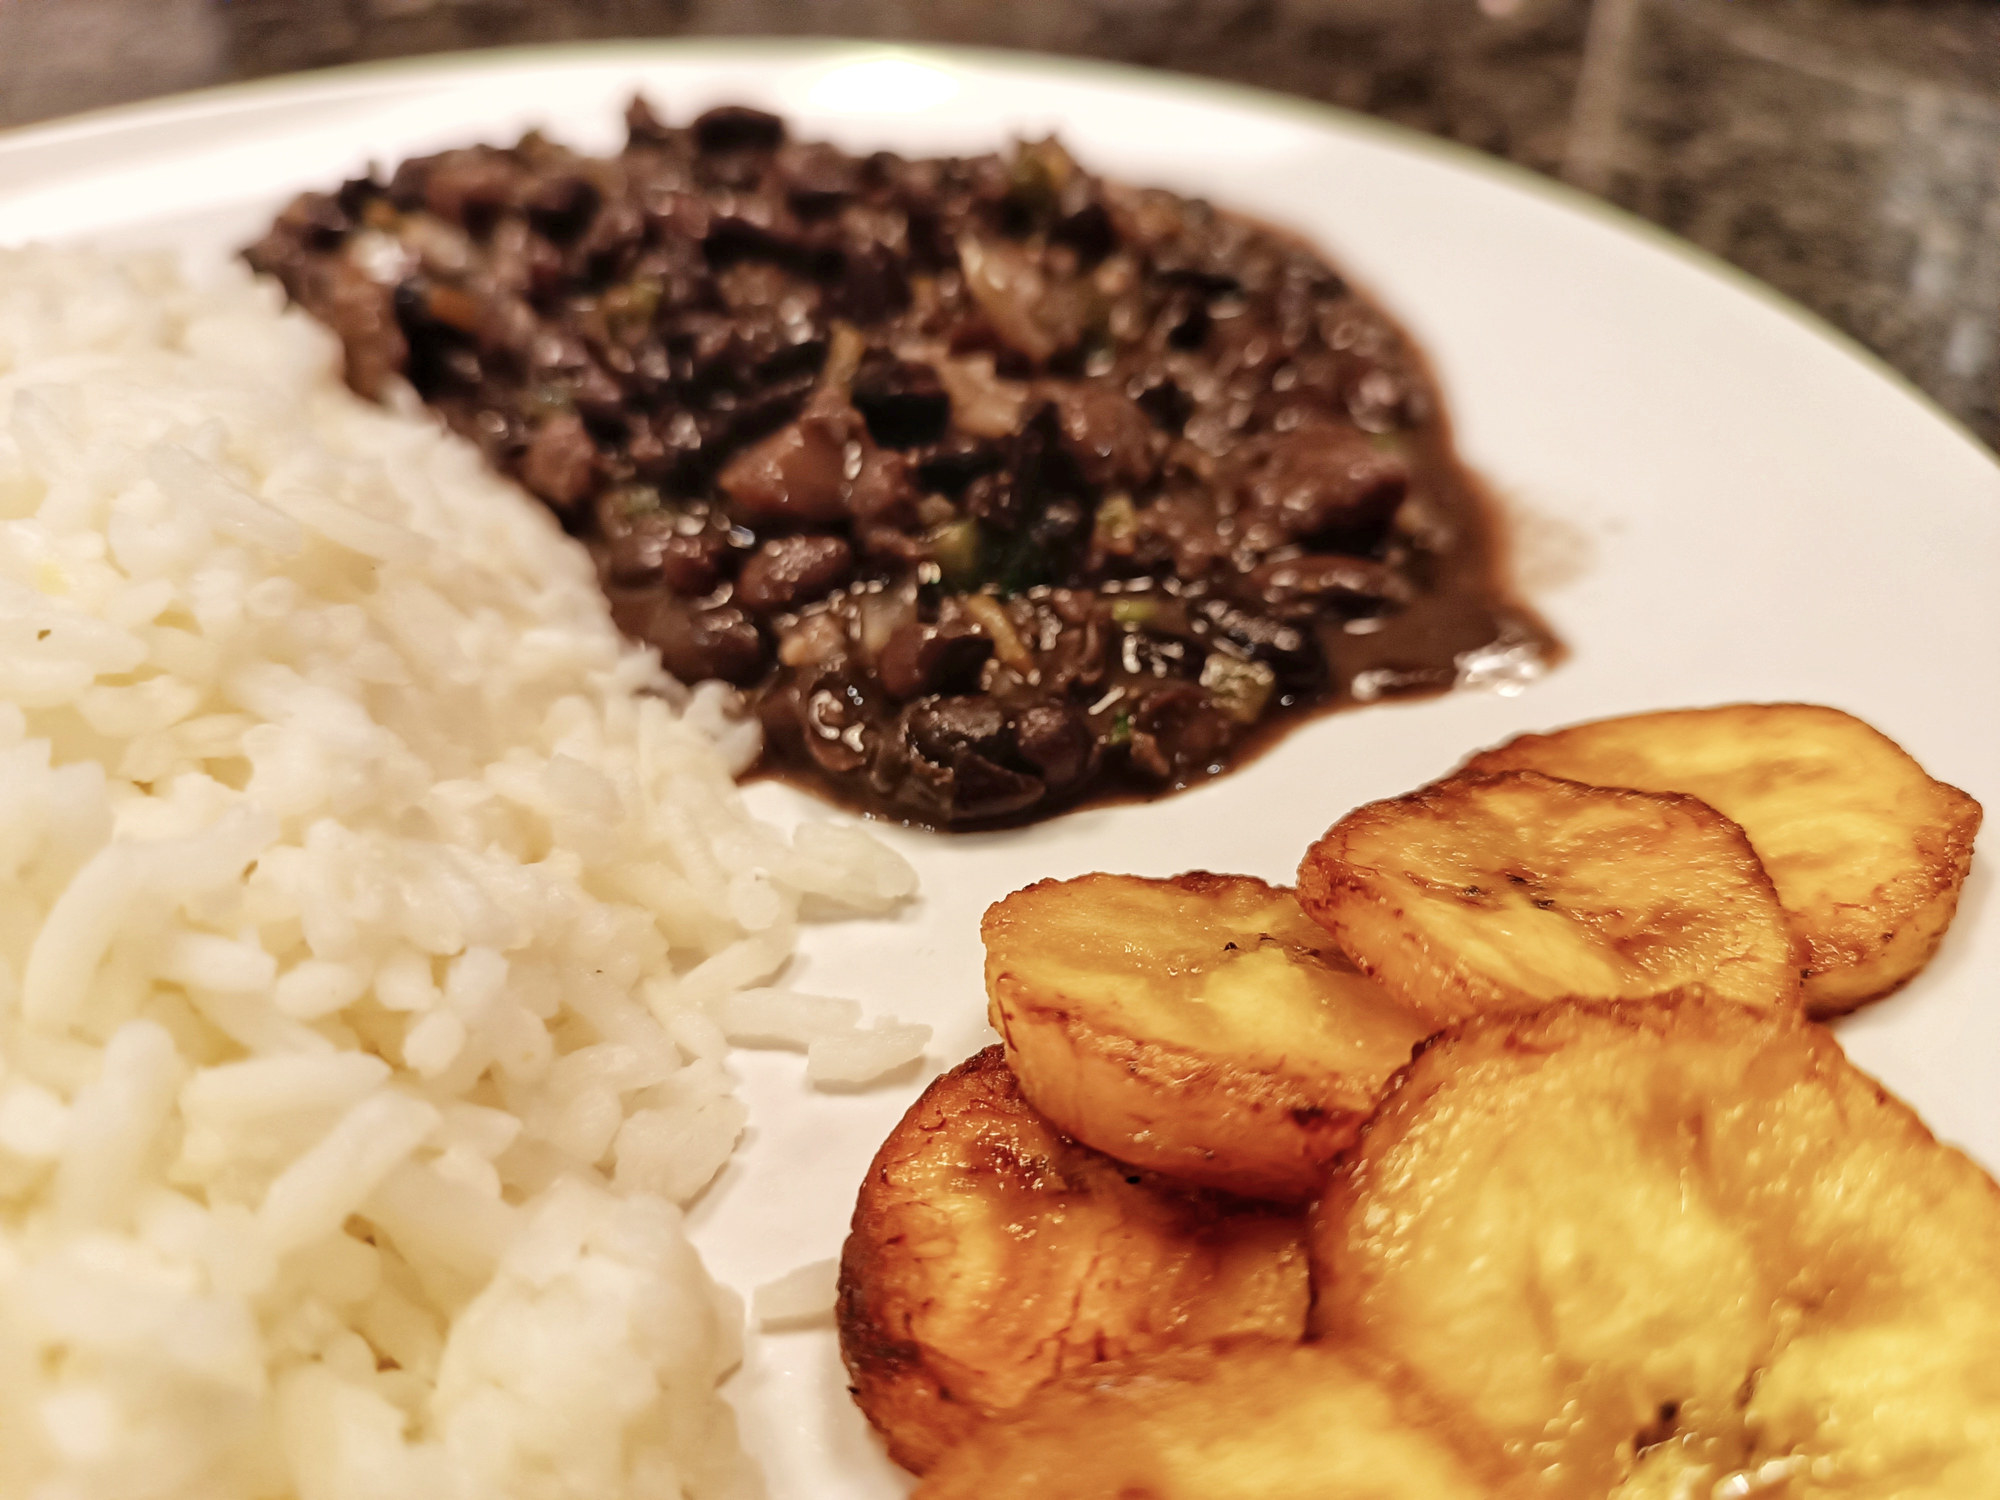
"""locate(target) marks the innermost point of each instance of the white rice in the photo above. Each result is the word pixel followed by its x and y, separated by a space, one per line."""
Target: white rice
pixel 370 921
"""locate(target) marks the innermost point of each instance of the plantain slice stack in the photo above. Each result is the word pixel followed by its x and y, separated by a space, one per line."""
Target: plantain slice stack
pixel 1601 1214
pixel 1243 1421
pixel 1201 1026
pixel 1867 852
pixel 989 1255
pixel 1502 893
pixel 1675 1249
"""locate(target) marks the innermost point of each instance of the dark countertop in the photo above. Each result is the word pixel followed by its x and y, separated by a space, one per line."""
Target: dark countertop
pixel 1846 151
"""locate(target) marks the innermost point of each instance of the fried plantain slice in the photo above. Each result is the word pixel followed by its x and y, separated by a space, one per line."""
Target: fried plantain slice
pixel 1675 1249
pixel 1479 894
pixel 1244 1421
pixel 990 1254
pixel 1200 1026
pixel 1868 853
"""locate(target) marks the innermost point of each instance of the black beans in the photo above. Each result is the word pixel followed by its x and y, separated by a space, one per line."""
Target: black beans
pixel 656 550
pixel 733 240
pixel 561 462
pixel 1322 479
pixel 865 284
pixel 920 659
pixel 1089 231
pixel 317 219
pixel 1113 441
pixel 643 127
pixel 996 485
pixel 560 206
pixel 903 403
pixel 1284 644
pixel 699 643
pixel 940 727
pixel 633 559
pixel 1177 733
pixel 1355 583
pixel 836 726
pixel 796 476
pixel 735 128
pixel 817 178
pixel 1055 739
pixel 983 789
pixel 966 743
pixel 956 461
pixel 789 571
pixel 1166 403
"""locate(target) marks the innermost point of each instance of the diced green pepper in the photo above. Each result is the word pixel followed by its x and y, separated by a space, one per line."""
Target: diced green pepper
pixel 1041 170
pixel 551 396
pixel 1115 524
pixel 955 547
pixel 633 303
pixel 1239 688
pixel 636 499
pixel 1136 612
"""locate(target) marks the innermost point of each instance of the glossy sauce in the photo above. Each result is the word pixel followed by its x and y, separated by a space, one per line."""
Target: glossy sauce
pixel 1000 489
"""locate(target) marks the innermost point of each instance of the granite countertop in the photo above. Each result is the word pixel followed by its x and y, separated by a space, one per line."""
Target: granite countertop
pixel 1845 151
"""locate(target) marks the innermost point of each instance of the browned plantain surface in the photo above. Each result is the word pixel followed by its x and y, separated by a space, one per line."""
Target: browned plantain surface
pixel 1479 894
pixel 1245 1421
pixel 1200 1026
pixel 1867 852
pixel 1675 1249
pixel 989 1255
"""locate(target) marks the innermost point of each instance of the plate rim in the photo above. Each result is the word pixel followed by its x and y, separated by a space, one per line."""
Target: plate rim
pixel 245 95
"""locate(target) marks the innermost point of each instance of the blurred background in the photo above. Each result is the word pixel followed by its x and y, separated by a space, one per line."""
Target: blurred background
pixel 1845 151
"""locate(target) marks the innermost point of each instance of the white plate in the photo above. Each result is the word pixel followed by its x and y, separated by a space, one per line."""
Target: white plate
pixel 1723 502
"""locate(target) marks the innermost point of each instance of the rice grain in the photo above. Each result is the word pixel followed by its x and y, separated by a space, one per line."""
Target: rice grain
pixel 370 920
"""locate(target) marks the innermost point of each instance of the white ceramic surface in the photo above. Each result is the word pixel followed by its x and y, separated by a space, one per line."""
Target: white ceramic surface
pixel 1716 500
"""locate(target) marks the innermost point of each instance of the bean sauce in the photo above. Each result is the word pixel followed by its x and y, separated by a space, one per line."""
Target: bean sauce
pixel 997 486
